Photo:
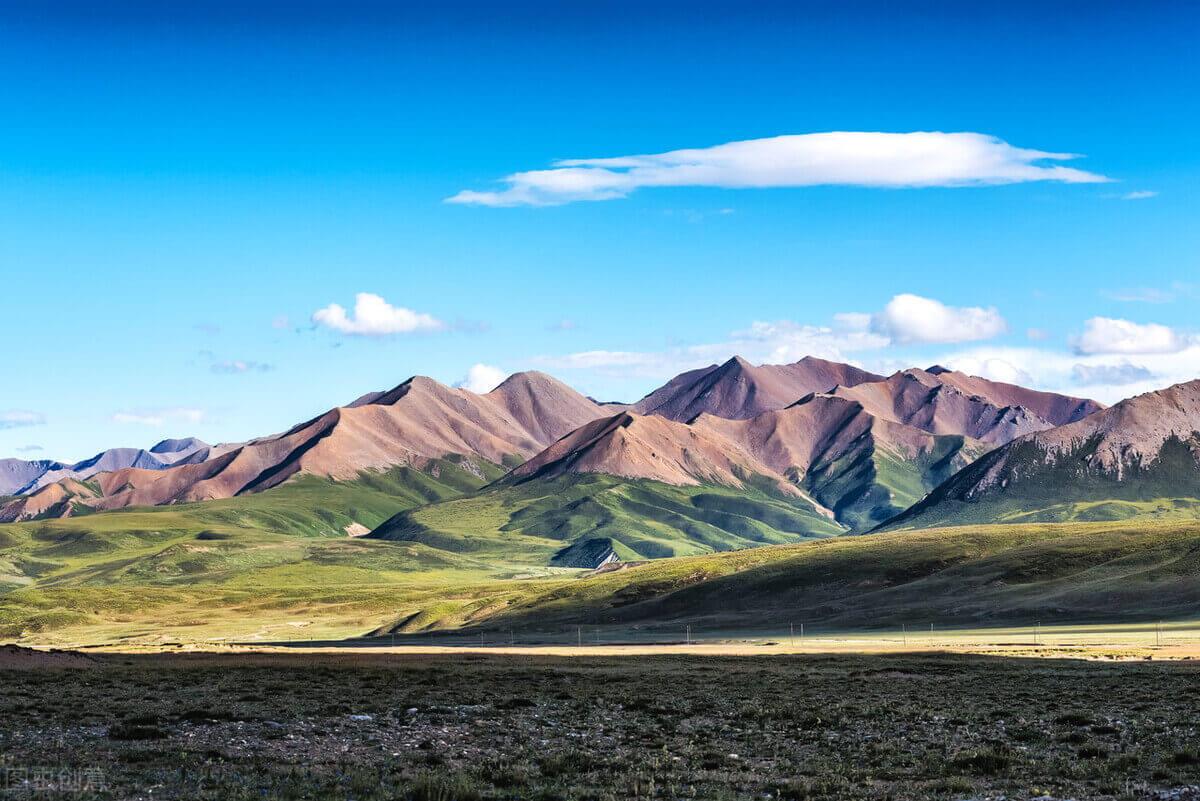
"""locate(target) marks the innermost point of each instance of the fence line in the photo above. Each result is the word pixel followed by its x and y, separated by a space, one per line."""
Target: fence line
pixel 798 635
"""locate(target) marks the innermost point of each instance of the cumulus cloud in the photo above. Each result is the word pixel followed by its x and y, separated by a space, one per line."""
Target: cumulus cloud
pixel 235 366
pixel 482 378
pixel 160 416
pixel 850 158
pixel 912 319
pixel 374 316
pixel 20 418
pixel 1109 335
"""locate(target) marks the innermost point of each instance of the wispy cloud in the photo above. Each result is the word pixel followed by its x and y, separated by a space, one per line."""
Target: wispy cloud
pixel 160 416
pixel 1116 374
pixel 374 316
pixel 850 158
pixel 30 449
pixel 236 366
pixel 1140 194
pixel 20 418
pixel 1151 294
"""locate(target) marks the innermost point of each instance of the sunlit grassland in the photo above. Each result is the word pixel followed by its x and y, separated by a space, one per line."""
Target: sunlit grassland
pixel 161 582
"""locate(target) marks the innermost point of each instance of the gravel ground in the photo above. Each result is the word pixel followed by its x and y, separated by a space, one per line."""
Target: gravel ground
pixel 472 726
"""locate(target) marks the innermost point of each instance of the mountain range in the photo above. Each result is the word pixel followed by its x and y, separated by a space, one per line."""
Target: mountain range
pixel 827 447
pixel 18 477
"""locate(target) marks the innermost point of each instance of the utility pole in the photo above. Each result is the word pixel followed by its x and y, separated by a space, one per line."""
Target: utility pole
pixel 801 632
pixel 689 635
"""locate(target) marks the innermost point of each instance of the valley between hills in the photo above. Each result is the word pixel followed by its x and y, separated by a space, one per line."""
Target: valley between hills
pixel 733 496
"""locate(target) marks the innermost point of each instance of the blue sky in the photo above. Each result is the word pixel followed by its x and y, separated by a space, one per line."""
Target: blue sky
pixel 182 187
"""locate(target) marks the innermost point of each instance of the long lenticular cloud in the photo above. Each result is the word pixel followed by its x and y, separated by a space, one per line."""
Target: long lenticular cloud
pixel 848 158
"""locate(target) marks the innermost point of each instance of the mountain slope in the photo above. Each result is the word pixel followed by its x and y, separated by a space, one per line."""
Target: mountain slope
pixel 629 445
pixel 16 474
pixel 864 468
pixel 1050 406
pixel 943 402
pixel 739 390
pixel 1140 457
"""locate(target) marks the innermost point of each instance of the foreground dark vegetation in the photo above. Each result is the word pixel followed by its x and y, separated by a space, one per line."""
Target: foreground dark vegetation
pixel 471 726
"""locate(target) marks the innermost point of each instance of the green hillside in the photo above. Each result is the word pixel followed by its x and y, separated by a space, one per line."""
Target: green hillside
pixel 868 485
pixel 546 521
pixel 951 577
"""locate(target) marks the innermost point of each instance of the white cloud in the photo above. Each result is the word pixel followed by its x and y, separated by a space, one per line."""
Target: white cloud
pixel 482 378
pixel 1141 194
pixel 852 158
pixel 911 319
pixel 1037 334
pixel 30 449
pixel 374 316
pixel 234 366
pixel 20 418
pixel 160 416
pixel 1109 335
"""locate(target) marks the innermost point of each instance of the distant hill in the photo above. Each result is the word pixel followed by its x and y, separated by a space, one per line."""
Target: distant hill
pixel 1140 457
